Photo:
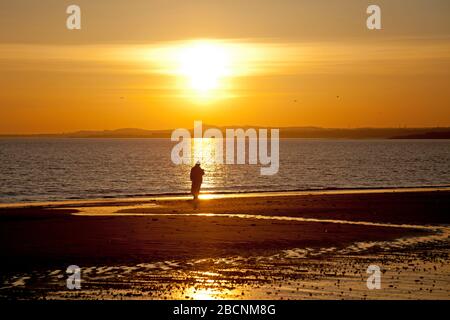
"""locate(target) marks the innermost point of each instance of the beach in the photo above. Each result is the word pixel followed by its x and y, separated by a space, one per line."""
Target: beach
pixel 298 245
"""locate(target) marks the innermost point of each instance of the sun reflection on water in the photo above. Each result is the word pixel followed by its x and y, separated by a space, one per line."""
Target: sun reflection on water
pixel 209 286
pixel 206 196
pixel 205 151
pixel 203 294
pixel 210 290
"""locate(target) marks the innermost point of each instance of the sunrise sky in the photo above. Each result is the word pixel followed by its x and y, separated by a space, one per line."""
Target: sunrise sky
pixel 163 64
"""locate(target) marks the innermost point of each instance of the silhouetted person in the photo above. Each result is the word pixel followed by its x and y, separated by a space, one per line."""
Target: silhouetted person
pixel 197 178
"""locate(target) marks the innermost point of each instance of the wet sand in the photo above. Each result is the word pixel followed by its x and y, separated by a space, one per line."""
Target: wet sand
pixel 289 246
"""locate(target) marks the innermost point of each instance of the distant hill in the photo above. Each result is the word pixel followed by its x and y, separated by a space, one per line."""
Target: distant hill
pixel 426 135
pixel 120 133
pixel 357 133
pixel 286 132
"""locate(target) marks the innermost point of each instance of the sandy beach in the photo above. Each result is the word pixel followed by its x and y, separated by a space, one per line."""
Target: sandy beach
pixel 311 245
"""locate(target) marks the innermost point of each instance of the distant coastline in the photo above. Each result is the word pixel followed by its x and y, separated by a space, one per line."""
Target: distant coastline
pixel 426 135
pixel 286 132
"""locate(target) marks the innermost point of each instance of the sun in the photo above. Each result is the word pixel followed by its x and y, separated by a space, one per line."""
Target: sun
pixel 204 65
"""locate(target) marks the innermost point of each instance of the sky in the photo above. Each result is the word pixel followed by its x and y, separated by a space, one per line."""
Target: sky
pixel 163 64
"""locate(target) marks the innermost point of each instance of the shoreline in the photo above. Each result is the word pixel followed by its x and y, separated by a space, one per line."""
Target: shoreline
pixel 218 195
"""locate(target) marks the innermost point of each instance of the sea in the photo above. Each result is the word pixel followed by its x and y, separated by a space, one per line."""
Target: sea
pixel 51 169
